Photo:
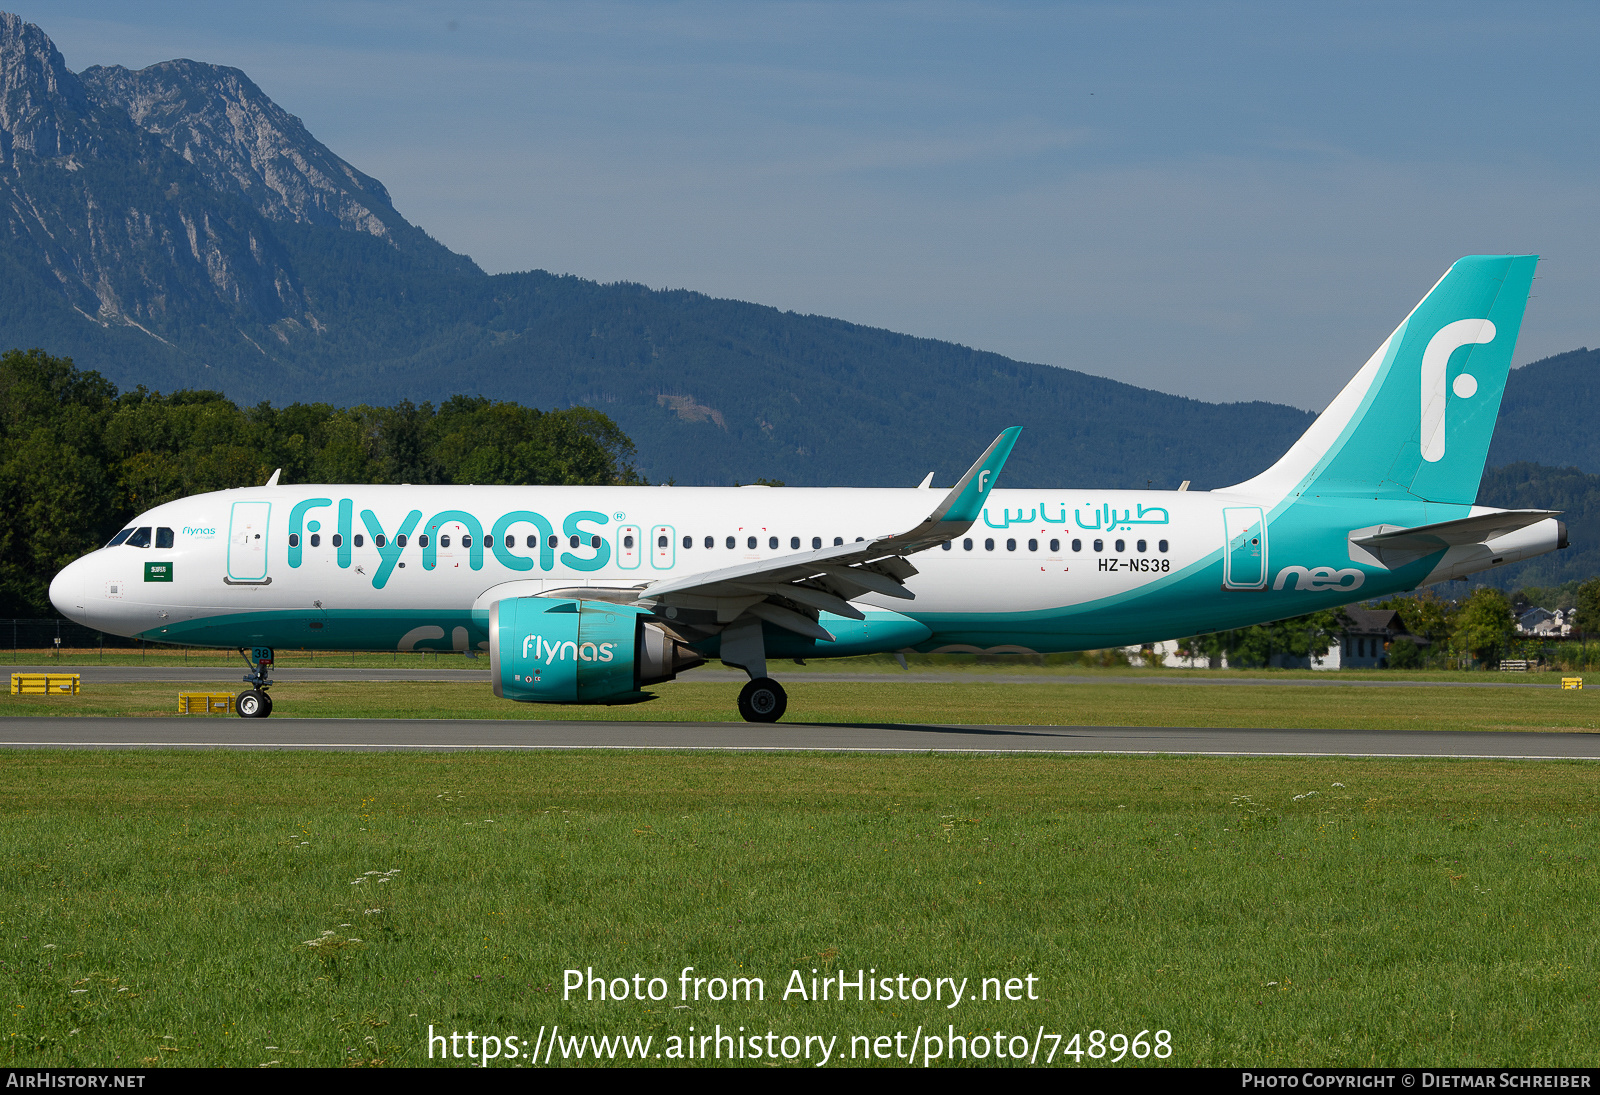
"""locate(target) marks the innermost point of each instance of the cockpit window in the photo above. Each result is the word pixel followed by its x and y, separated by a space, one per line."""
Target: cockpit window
pixel 140 538
pixel 119 537
pixel 163 537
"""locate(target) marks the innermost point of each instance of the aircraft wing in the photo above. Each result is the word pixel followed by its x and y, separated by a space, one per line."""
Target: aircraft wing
pixel 789 590
pixel 1396 547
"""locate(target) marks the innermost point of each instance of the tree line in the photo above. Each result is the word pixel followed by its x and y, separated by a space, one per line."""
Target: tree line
pixel 1481 626
pixel 78 458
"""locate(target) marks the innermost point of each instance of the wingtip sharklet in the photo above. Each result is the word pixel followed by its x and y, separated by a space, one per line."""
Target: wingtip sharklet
pixel 953 516
pixel 966 498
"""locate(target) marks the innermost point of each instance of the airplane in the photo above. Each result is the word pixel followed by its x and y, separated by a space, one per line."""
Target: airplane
pixel 590 594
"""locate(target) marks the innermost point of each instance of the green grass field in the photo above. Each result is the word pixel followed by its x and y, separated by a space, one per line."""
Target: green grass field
pixel 974 701
pixel 158 908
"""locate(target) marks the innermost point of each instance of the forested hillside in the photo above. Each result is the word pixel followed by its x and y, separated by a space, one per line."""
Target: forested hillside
pixel 1536 486
pixel 77 458
pixel 1548 413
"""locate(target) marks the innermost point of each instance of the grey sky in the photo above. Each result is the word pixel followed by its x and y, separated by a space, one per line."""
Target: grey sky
pixel 1224 201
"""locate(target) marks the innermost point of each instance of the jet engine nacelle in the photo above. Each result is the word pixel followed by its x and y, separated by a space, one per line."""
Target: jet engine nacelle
pixel 548 651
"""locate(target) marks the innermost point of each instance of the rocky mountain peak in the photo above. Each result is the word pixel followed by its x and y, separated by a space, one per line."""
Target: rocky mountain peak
pixel 45 112
pixel 242 142
pixel 179 207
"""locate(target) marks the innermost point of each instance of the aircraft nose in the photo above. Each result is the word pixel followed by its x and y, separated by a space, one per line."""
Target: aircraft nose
pixel 66 591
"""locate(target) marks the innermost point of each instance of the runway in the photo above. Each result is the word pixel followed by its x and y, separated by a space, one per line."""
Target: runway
pixel 442 735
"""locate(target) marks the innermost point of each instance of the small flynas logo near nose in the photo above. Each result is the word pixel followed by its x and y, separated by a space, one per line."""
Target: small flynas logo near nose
pixel 1451 337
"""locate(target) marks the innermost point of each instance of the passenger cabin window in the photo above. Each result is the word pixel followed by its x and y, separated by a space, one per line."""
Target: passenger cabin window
pixel 1011 545
pixel 140 538
pixel 466 541
pixel 967 543
pixel 294 540
pixel 988 544
pixel 594 541
pixel 731 543
pixel 163 537
pixel 750 543
pixel 837 540
pixel 1140 546
pixel 1162 547
pixel 422 540
pixel 1099 545
pixel 1122 545
pixel 572 542
pixel 555 540
pixel 360 541
pixel 661 541
pixel 945 545
pixel 711 542
pixel 772 543
pixel 1033 545
pixel 688 542
pixel 794 543
pixel 316 539
pixel 379 541
pixel 119 537
pixel 627 542
pixel 816 542
pixel 401 540
pixel 1055 545
pixel 444 541
pixel 1077 545
pixel 338 540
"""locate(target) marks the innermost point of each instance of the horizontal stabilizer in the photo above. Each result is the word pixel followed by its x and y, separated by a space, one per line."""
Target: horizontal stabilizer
pixel 1393 548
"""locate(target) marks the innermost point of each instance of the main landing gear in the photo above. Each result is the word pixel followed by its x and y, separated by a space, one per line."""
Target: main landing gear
pixel 255 703
pixel 743 646
pixel 763 700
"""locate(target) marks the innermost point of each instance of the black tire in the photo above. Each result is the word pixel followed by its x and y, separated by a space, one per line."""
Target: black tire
pixel 252 704
pixel 267 696
pixel 763 700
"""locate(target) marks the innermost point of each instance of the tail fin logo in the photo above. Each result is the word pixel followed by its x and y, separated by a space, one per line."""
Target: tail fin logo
pixel 1451 337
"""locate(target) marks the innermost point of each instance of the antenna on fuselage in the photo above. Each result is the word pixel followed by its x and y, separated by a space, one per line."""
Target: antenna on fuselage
pixel 274 480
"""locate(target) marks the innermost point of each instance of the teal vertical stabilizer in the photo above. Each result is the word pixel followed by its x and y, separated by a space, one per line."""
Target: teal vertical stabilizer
pixel 1415 423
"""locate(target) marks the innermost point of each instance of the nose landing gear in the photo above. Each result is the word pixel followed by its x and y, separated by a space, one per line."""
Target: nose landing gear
pixel 255 703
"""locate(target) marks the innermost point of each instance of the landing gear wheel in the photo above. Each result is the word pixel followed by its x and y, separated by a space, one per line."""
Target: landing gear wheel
pixel 253 704
pixel 763 700
pixel 267 699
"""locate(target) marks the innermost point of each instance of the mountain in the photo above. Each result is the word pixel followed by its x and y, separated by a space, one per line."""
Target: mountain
pixel 1542 419
pixel 173 227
